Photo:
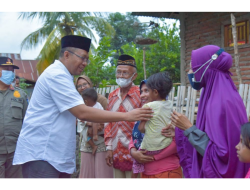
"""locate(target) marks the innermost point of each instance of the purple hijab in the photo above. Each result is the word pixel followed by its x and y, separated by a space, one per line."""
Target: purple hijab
pixel 221 113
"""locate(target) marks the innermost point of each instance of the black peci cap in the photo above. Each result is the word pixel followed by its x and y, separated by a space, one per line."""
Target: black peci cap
pixel 126 60
pixel 76 42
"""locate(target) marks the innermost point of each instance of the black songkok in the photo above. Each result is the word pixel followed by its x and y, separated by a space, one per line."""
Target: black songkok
pixel 76 42
pixel 126 60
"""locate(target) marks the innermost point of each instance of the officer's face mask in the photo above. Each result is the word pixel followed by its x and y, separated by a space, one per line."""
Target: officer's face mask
pixel 7 77
pixel 191 77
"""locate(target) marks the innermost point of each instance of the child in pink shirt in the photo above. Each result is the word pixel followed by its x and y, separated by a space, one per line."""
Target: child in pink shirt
pixel 162 165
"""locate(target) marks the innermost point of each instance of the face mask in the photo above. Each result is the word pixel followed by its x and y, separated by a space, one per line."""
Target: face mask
pixel 197 84
pixel 124 82
pixel 7 77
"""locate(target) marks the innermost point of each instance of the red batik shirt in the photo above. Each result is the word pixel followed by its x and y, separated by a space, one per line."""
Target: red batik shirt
pixel 117 135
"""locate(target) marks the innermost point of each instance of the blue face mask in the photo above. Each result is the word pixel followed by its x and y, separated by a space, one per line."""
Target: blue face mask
pixel 197 84
pixel 7 77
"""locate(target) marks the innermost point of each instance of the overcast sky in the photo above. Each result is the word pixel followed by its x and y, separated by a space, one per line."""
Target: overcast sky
pixel 14 30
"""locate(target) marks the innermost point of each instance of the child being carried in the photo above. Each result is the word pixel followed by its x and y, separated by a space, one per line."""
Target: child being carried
pixel 90 99
pixel 159 85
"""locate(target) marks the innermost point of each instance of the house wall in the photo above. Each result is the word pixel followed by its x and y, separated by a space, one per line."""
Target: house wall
pixel 203 28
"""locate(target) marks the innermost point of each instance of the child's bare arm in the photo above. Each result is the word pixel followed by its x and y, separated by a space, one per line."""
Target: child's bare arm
pixel 141 126
pixel 95 127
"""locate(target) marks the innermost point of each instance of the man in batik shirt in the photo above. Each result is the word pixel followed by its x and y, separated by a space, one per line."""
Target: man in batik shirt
pixel 118 134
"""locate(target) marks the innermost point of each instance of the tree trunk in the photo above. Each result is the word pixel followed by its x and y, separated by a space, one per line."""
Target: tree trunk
pixel 183 64
pixel 236 55
pixel 144 63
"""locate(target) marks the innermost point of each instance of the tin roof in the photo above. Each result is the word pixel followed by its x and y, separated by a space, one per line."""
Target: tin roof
pixel 27 68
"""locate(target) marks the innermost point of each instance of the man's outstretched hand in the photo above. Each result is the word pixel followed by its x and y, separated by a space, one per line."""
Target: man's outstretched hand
pixel 139 114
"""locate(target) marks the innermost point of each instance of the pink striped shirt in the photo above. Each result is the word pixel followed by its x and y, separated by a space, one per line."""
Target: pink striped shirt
pixel 117 134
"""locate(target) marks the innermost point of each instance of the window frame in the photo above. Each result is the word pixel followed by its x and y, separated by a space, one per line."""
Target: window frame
pixel 228 31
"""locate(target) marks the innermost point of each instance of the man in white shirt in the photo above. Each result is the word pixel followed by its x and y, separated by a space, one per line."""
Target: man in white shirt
pixel 46 144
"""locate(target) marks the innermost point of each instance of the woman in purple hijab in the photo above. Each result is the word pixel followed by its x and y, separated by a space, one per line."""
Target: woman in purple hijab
pixel 207 149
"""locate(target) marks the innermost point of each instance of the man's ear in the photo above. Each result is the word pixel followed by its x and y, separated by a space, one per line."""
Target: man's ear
pixel 66 54
pixel 134 77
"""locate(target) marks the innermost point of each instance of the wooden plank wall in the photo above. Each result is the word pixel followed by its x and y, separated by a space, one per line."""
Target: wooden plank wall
pixel 187 99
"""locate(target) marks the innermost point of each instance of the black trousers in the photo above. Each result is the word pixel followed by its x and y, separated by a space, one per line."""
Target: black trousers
pixel 41 169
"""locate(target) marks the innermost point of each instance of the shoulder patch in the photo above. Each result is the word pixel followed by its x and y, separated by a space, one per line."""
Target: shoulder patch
pixel 16 94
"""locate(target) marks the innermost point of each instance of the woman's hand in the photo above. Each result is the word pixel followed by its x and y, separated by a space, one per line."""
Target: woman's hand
pixel 140 156
pixel 180 121
pixel 168 131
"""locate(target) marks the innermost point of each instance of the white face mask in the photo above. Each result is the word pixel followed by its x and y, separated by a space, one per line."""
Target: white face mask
pixel 122 82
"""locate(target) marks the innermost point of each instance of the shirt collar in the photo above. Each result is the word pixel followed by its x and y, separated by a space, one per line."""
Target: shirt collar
pixel 64 68
pixel 117 92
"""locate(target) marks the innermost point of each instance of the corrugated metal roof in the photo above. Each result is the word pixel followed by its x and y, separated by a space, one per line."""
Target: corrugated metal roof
pixel 171 15
pixel 14 56
pixel 27 68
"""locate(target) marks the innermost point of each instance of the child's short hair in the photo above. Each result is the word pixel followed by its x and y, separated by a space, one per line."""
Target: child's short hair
pixel 90 94
pixel 245 133
pixel 161 82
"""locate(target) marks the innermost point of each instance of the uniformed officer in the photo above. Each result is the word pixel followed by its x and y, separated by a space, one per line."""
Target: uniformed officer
pixel 13 105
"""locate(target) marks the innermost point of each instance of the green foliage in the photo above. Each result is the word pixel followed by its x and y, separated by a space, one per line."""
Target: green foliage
pixel 117 34
pixel 165 54
pixel 125 31
pixel 98 71
pixel 161 56
pixel 23 85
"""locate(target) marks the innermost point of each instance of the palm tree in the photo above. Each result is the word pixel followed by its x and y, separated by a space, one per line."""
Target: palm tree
pixel 59 24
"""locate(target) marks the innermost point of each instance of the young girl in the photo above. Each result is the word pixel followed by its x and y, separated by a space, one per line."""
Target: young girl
pixel 243 148
pixel 90 99
pixel 159 86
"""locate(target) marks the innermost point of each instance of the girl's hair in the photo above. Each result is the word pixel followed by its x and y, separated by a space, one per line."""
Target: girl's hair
pixel 90 94
pixel 161 82
pixel 245 133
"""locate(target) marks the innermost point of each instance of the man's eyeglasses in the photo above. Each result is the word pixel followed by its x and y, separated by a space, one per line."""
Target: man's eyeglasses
pixel 84 59
pixel 82 85
pixel 124 74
